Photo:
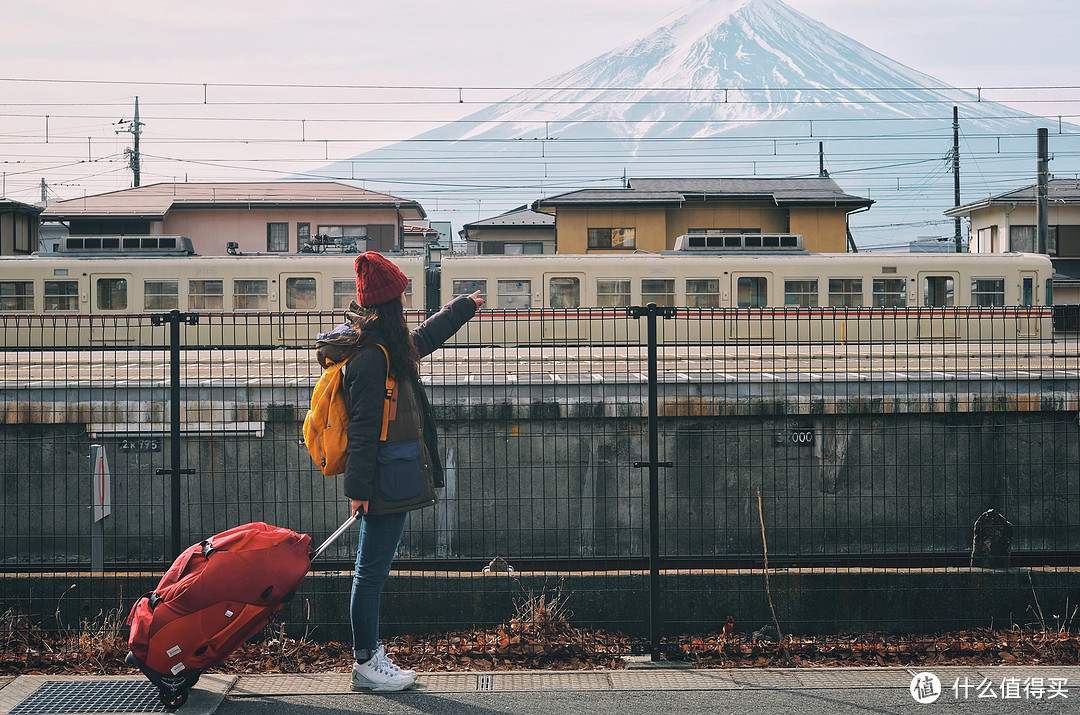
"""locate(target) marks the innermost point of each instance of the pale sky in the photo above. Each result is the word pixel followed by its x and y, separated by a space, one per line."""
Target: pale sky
pixel 120 50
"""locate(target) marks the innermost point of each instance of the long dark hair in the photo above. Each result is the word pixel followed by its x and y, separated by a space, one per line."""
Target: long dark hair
pixel 385 324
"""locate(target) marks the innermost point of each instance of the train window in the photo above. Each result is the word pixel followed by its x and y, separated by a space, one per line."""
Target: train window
pixel 206 294
pixel 703 292
pixel 1028 297
pixel 161 295
pixel 344 292
pixel 612 237
pixel 16 295
pixel 658 290
pixel 987 292
pixel 61 295
pixel 300 293
pixel 612 292
pixel 889 292
pixel 845 293
pixel 752 291
pixel 801 293
pixel 406 297
pixel 938 292
pixel 112 294
pixel 250 294
pixel 564 292
pixel 468 287
pixel 1049 291
pixel 515 294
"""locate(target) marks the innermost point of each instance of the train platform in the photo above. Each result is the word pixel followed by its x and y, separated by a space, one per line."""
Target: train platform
pixel 641 687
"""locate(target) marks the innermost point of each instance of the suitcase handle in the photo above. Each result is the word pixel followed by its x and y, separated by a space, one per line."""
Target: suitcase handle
pixel 334 537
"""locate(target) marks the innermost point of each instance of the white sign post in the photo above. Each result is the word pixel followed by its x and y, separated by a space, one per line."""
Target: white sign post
pixel 100 504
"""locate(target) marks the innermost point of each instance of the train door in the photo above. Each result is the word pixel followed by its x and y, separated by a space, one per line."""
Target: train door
pixel 936 293
pixel 1028 323
pixel 750 294
pixel 298 301
pixel 111 301
pixel 563 293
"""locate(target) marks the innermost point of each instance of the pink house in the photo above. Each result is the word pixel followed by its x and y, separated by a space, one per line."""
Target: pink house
pixel 274 217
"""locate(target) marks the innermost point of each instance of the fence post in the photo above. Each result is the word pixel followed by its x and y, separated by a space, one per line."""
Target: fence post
pixel 651 311
pixel 174 318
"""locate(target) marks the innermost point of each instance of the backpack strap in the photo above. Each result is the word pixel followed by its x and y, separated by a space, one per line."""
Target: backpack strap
pixel 388 402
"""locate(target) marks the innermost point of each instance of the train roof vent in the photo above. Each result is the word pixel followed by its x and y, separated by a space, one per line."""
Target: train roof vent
pixel 739 242
pixel 127 245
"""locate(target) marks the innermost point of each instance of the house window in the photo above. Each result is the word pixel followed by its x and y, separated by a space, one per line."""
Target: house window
pixel 344 292
pixel 752 292
pixel 611 237
pixel 303 234
pixel 515 294
pixel 938 292
pixel 277 237
pixel 890 292
pixel 526 249
pixel 112 294
pixel 61 295
pixel 161 295
pixel 206 294
pixel 801 293
pixel 17 295
pixel 845 293
pixel 564 292
pixel 1022 238
pixel 658 290
pixel 612 292
pixel 470 286
pixel 250 295
pixel 986 240
pixel 22 234
pixel 987 292
pixel 300 293
pixel 703 292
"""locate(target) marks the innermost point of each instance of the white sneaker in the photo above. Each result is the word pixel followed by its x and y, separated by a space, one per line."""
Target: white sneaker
pixel 380 675
pixel 381 653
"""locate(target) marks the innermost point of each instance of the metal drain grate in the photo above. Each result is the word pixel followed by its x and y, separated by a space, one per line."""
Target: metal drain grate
pixel 483 682
pixel 92 696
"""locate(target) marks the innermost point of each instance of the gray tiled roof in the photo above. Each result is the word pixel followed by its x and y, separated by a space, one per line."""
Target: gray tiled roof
pixel 156 200
pixel 782 191
pixel 1058 190
pixel 522 216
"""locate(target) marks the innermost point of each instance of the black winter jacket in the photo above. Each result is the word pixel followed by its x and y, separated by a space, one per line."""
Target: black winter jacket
pixel 364 380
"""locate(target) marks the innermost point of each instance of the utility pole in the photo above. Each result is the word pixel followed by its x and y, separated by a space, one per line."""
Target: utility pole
pixel 1043 209
pixel 134 127
pixel 956 175
pixel 821 161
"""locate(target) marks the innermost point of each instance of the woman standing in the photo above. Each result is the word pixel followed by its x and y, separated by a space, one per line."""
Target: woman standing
pixel 386 477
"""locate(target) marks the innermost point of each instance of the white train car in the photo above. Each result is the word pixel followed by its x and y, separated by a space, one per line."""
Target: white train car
pixel 739 297
pixel 66 301
pixel 268 300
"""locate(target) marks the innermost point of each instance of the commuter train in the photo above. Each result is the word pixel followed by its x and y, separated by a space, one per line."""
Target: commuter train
pixel 108 298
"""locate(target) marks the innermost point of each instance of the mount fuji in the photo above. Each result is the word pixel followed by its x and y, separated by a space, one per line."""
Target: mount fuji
pixel 726 88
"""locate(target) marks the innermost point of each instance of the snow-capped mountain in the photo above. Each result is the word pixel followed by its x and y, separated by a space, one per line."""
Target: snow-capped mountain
pixel 725 88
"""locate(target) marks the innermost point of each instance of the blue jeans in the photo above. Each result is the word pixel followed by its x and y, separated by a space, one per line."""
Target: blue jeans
pixel 379 537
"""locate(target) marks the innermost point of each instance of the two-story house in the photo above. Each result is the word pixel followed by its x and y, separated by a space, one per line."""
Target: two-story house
pixel 649 214
pixel 18 228
pixel 274 217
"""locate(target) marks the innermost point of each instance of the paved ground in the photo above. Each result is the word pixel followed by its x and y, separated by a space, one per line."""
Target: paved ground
pixel 641 688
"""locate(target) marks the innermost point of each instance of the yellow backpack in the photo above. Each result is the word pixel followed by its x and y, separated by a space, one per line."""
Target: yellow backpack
pixel 326 427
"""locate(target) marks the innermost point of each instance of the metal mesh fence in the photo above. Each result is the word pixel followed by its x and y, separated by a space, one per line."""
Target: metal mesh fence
pixel 875 441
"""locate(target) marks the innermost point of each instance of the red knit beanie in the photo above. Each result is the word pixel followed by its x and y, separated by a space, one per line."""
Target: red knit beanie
pixel 377 279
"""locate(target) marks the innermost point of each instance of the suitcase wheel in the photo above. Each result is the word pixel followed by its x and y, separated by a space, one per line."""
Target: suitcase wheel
pixel 172 702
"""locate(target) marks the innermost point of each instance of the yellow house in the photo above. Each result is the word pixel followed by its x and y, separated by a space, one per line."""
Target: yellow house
pixel 649 214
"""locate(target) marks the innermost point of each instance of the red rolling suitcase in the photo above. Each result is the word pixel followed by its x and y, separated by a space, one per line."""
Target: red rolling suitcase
pixel 217 594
